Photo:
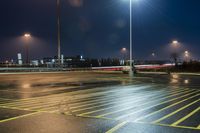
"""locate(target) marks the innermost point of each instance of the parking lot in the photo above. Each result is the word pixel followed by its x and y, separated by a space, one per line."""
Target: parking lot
pixel 99 102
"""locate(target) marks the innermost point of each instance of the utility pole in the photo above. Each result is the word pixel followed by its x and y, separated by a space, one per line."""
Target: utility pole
pixel 27 37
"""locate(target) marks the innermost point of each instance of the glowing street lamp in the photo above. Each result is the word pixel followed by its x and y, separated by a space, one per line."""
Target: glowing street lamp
pixel 123 50
pixel 186 55
pixel 175 43
pixel 175 52
pixel 186 52
pixel 27 36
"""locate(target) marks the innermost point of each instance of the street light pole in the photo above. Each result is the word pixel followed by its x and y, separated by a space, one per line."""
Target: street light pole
pixel 58 31
pixel 27 54
pixel 27 36
pixel 186 54
pixel 131 43
pixel 124 52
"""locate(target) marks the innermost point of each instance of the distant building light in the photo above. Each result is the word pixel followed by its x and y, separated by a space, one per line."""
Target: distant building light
pixel 35 62
pixel 42 62
pixel 68 59
pixel 82 59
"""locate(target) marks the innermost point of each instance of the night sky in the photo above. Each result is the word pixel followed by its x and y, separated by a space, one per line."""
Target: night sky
pixel 99 28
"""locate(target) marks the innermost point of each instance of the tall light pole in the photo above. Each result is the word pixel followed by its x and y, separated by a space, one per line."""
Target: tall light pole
pixel 131 73
pixel 131 43
pixel 175 45
pixel 186 55
pixel 27 37
pixel 124 52
pixel 58 31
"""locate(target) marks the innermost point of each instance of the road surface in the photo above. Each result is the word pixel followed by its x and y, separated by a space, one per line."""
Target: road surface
pixel 97 102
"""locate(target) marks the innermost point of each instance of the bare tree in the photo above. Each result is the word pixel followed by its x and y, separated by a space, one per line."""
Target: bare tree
pixel 175 56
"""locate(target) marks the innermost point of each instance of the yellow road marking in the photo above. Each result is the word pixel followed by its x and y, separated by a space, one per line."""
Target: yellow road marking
pixel 33 99
pixel 86 116
pixel 14 105
pixel 117 127
pixel 138 98
pixel 30 104
pixel 67 94
pixel 48 104
pixel 131 101
pixel 186 117
pixel 135 101
pixel 112 101
pixel 18 117
pixel 41 106
pixel 37 110
pixel 120 117
pixel 180 109
pixel 146 103
pixel 166 125
pixel 16 108
pixel 38 91
pixel 145 116
pixel 38 99
pixel 198 127
pixel 90 101
pixel 110 98
pixel 7 99
pixel 55 102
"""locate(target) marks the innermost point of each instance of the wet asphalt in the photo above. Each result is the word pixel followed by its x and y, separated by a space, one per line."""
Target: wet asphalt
pixel 99 102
